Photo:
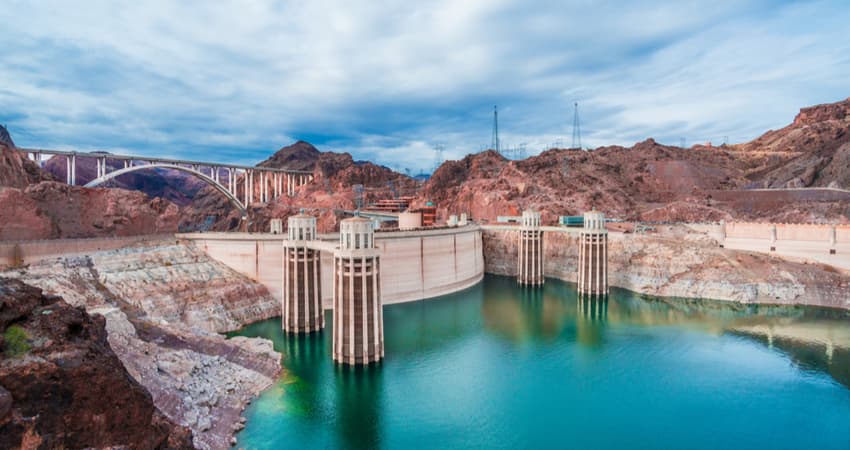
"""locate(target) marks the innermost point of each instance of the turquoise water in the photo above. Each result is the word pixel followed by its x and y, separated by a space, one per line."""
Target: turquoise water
pixel 499 366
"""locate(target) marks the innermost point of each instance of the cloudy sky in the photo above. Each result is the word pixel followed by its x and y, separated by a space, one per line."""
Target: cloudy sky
pixel 387 81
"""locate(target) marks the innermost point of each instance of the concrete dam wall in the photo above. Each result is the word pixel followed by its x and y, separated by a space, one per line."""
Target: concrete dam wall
pixel 414 264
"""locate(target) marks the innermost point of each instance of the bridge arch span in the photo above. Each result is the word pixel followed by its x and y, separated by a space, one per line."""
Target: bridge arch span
pixel 230 196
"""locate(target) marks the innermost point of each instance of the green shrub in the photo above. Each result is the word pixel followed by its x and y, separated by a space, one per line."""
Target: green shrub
pixel 15 341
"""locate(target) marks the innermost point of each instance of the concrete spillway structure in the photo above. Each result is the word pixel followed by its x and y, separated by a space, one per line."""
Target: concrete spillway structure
pixel 358 318
pixel 302 278
pixel 530 250
pixel 593 255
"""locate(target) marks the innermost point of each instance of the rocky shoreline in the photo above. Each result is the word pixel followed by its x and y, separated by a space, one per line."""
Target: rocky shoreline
pixel 164 306
pixel 685 264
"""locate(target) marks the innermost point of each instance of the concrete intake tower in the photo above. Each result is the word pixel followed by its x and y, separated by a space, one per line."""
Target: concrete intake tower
pixel 593 255
pixel 358 319
pixel 530 250
pixel 302 278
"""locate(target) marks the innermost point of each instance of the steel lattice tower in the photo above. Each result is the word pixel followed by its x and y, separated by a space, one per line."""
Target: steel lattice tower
pixel 495 142
pixel 576 129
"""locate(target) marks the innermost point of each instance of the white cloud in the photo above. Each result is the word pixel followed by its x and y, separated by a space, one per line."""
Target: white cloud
pixel 386 80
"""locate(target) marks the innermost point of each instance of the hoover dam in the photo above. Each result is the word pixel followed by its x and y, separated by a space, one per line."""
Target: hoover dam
pixel 447 225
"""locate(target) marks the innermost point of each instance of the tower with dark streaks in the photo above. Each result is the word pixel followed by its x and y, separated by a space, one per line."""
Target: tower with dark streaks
pixel 593 255
pixel 530 250
pixel 358 334
pixel 302 278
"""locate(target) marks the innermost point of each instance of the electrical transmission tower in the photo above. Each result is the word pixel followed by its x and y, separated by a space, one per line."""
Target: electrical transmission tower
pixel 495 142
pixel 438 155
pixel 358 196
pixel 576 129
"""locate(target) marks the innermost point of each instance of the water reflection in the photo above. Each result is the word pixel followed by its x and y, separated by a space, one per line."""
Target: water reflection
pixel 428 325
pixel 358 400
pixel 590 319
pixel 524 314
pixel 444 352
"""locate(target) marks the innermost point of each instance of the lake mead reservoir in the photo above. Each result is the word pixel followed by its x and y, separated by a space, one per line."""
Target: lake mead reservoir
pixel 502 366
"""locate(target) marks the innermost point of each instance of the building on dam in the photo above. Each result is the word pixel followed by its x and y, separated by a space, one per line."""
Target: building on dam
pixel 530 249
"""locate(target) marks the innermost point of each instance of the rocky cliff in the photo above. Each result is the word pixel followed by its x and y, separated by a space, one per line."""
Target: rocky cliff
pixel 332 188
pixel 16 171
pixel 50 210
pixel 34 206
pixel 683 264
pixel 163 304
pixel 654 182
pixel 66 388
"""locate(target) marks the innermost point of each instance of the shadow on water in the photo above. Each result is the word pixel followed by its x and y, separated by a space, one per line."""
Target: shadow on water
pixel 428 325
pixel 358 400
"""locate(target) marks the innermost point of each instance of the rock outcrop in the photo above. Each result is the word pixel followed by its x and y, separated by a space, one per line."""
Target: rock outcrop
pixel 684 264
pixel 50 210
pixel 16 171
pixel 332 188
pixel 163 305
pixel 68 389
pixel 35 206
pixel 638 182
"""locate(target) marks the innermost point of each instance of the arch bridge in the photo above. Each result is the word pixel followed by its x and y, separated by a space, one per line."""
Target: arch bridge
pixel 258 185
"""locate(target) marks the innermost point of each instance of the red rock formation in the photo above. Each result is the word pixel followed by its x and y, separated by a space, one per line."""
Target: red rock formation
pixel 332 188
pixel 16 170
pixel 649 181
pixel 69 390
pixel 54 210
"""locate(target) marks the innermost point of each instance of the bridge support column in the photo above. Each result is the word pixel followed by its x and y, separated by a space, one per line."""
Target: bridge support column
pixel 530 246
pixel 358 334
pixel 253 186
pixel 593 255
pixel 302 278
pixel 247 189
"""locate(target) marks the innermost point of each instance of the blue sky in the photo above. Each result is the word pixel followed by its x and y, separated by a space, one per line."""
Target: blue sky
pixel 386 81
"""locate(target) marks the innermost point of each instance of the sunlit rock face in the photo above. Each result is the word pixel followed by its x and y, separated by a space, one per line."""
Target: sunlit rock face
pixel 68 389
pixel 163 304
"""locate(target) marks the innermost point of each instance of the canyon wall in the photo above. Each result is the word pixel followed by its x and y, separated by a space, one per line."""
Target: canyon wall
pixel 163 304
pixel 682 264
